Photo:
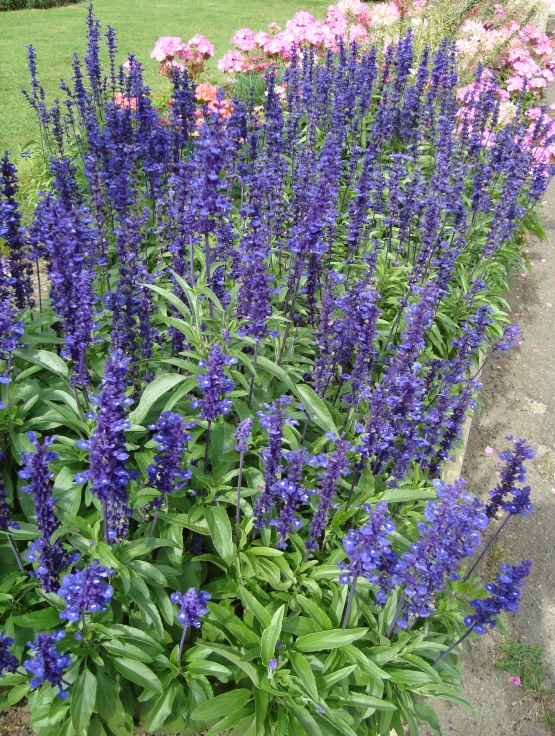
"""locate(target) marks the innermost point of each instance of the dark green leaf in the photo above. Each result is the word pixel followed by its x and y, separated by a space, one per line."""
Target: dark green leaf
pixel 222 705
pixel 83 696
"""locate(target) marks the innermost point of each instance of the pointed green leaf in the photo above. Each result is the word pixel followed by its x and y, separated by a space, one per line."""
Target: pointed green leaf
pixel 222 705
pixel 328 639
pixel 270 635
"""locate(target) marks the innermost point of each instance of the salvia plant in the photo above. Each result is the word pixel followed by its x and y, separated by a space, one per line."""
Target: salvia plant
pixel 238 344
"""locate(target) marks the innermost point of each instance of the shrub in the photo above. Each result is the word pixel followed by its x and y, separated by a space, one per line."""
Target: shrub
pixel 224 428
pixel 37 4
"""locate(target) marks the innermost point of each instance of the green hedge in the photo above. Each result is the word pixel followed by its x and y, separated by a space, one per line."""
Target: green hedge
pixel 37 4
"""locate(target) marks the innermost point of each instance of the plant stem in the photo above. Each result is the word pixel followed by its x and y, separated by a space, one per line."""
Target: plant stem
pixel 488 545
pixel 350 602
pixel 456 644
pixel 253 375
pixel 238 510
pixel 154 521
pixel 16 553
pixel 353 484
pixel 105 514
pixel 191 261
pixel 207 446
pixel 181 643
pixel 396 615
pixel 208 265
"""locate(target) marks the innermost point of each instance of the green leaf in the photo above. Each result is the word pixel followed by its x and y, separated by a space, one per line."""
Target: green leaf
pixel 317 408
pixel 270 635
pixel 328 639
pixel 47 618
pixel 161 385
pixel 306 675
pixel 220 531
pixel 366 701
pixel 400 495
pixel 275 370
pixel 315 612
pixel 222 705
pixel 206 667
pixel 255 607
pixel 45 359
pixel 139 673
pixel 83 696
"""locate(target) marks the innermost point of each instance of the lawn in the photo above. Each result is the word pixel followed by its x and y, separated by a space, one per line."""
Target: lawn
pixel 57 32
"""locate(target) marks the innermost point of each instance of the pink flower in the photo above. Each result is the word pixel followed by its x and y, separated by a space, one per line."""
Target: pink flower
pixel 244 39
pixel 167 47
pixel 489 451
pixel 261 39
pixel 274 26
pixel 515 681
pixel 534 113
pixel 198 49
pixel 233 61
pixel 300 21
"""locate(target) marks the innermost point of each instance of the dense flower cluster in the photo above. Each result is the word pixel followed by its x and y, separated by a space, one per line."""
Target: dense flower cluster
pixel 513 473
pixel 8 663
pixel 215 385
pixel 369 551
pixel 51 556
pixel 86 591
pixel 454 531
pixel 505 596
pixel 108 475
pixel 167 472
pixel 47 664
pixel 192 605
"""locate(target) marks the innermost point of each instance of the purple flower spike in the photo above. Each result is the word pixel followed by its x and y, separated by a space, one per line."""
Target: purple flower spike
pixel 167 473
pixel 243 434
pixel 505 596
pixel 192 605
pixel 108 472
pixel 51 557
pixel 369 551
pixel 454 531
pixel 513 473
pixel 337 466
pixel 86 591
pixel 8 663
pixel 47 664
pixel 215 385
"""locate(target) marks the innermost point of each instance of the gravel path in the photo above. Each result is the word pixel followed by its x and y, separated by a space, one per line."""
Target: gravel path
pixel 518 398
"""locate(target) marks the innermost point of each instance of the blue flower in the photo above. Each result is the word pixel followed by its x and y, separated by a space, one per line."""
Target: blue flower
pixel 47 664
pixel 505 596
pixel 8 663
pixel 86 591
pixel 192 605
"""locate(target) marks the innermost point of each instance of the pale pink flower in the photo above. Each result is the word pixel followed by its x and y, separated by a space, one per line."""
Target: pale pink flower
pixel 274 26
pixel 515 681
pixel 233 61
pixel 167 47
pixel 489 451
pixel 198 49
pixel 244 39
pixel 261 39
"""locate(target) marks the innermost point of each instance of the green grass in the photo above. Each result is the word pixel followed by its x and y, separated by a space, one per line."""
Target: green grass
pixel 57 32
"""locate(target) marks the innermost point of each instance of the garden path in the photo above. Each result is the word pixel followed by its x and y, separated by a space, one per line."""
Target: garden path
pixel 518 398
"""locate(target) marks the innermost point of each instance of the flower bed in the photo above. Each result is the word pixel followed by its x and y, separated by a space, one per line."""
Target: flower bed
pixel 224 427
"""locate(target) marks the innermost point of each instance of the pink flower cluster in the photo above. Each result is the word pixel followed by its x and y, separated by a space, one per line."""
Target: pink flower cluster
pixel 168 49
pixel 350 20
pixel 530 61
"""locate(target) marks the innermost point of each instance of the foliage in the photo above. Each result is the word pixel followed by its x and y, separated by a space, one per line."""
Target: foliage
pixel 225 425
pixel 38 4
